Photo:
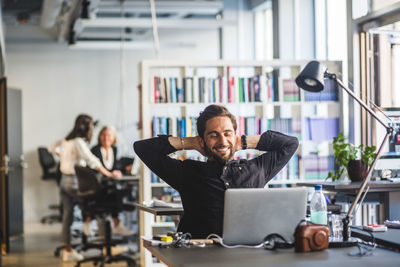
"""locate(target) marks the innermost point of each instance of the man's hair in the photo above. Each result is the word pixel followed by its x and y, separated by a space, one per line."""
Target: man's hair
pixel 210 112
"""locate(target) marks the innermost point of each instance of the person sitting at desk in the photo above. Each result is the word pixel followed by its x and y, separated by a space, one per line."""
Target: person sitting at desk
pixel 74 150
pixel 202 185
pixel 106 151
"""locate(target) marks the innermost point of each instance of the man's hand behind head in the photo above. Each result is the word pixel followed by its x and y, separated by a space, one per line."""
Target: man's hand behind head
pixel 199 146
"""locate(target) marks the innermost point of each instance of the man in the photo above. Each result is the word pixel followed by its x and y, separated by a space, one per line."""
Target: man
pixel 202 185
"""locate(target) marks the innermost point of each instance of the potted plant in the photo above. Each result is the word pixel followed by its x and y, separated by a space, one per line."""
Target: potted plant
pixel 353 159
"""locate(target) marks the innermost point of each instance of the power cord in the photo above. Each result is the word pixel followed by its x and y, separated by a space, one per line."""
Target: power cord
pixel 179 240
pixel 221 242
pixel 271 242
pixel 364 248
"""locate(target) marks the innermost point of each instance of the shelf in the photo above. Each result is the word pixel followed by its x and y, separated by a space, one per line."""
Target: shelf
pixel 159 184
pixel 326 102
pixel 225 63
pixel 294 181
pixel 163 224
pixel 212 79
pixel 278 103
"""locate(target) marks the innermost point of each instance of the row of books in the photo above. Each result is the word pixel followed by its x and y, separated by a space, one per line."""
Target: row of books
pixel 252 125
pixel 330 92
pixel 221 89
pixel 179 127
pixel 259 88
pixel 290 171
pixel 317 167
pixel 321 129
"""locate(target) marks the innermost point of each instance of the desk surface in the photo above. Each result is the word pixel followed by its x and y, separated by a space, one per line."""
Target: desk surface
pixel 129 178
pixel 160 210
pixel 375 186
pixel 220 257
pixel 390 238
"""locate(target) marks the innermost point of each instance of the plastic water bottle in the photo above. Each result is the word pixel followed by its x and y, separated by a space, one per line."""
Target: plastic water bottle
pixel 318 207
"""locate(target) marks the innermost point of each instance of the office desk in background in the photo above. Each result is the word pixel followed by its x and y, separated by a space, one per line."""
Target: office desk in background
pixel 390 238
pixel 160 210
pixel 385 192
pixel 218 256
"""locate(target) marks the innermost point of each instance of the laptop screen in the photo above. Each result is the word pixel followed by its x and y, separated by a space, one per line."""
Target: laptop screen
pixel 252 214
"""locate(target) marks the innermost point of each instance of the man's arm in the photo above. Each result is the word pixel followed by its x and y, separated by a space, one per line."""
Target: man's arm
pixel 154 153
pixel 187 143
pixel 279 147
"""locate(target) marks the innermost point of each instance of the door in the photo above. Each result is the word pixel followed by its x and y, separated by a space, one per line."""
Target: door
pixel 14 179
pixel 4 237
pixel 11 183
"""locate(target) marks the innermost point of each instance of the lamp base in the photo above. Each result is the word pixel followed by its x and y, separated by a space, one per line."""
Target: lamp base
pixel 340 243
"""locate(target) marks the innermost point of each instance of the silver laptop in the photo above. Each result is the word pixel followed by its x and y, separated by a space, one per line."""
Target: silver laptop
pixel 252 214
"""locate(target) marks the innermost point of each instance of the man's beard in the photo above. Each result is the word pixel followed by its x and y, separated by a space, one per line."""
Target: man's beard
pixel 211 155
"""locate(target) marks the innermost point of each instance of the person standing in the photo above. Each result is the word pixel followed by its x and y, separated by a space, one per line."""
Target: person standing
pixel 74 150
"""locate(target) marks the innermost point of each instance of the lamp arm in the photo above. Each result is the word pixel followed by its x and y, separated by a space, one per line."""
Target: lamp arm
pixel 368 109
pixel 389 131
pixel 368 178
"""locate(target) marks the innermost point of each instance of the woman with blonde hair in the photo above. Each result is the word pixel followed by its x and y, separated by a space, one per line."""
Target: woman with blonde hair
pixel 106 151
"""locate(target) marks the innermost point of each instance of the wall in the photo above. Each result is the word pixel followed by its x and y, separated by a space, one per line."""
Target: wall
pixel 58 83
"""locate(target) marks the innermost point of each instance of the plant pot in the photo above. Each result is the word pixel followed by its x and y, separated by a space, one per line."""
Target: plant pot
pixel 357 170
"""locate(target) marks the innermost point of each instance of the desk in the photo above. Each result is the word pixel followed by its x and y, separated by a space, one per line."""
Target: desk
pixel 388 193
pixel 390 238
pixel 129 178
pixel 218 256
pixel 160 210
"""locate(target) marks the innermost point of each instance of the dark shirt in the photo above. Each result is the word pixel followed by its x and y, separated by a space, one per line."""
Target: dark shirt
pixel 97 152
pixel 202 185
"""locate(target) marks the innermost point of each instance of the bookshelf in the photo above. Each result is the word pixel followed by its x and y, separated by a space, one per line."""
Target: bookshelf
pixel 261 94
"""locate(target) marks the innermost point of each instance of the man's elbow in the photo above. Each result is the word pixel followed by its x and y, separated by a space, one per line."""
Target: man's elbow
pixel 138 147
pixel 294 144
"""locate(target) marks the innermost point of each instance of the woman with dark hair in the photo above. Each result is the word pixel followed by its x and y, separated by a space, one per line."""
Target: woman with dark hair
pixel 74 150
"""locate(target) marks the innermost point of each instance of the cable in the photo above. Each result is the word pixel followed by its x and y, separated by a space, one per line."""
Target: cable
pixel 220 240
pixel 271 242
pixel 363 250
pixel 155 28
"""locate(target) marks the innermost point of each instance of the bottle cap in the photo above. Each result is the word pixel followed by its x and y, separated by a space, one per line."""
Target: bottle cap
pixel 318 187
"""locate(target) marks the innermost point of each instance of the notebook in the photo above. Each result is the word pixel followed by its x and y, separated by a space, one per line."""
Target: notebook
pixel 252 214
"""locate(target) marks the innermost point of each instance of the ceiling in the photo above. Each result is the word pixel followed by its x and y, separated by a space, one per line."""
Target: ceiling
pixel 108 22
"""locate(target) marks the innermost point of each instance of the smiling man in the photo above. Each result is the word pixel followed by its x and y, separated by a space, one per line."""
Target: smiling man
pixel 202 185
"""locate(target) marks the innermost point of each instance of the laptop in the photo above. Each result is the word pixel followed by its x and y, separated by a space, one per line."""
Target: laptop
pixel 252 214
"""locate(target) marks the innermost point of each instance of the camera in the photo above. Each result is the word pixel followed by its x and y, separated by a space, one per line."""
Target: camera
pixel 311 237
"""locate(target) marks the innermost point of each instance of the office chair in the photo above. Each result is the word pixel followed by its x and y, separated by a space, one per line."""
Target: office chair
pixel 51 171
pixel 90 195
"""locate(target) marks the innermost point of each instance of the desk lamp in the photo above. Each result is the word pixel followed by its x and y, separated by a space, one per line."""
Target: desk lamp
pixel 311 79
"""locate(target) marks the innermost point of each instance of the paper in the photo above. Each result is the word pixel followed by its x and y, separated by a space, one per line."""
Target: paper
pixel 159 203
pixel 392 224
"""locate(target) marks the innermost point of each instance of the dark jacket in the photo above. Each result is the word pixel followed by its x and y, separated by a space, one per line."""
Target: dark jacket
pixel 202 185
pixel 97 152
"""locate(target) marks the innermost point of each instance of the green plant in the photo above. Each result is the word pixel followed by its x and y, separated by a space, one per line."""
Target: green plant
pixel 344 152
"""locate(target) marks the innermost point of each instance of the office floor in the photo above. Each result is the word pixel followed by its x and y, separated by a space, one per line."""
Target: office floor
pixel 36 248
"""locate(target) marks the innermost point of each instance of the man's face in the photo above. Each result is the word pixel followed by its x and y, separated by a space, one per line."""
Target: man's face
pixel 219 139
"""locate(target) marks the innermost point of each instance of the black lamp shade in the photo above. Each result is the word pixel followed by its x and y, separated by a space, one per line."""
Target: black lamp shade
pixel 311 78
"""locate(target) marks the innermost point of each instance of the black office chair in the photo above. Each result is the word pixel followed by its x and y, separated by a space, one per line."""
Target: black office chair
pixel 90 195
pixel 123 163
pixel 51 172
